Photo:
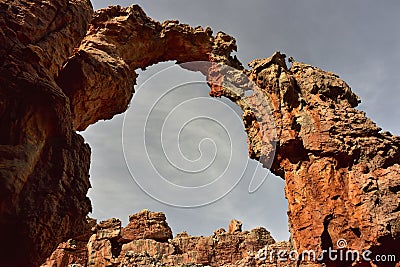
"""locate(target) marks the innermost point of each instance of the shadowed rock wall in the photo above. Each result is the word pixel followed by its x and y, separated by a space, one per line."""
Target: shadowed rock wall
pixel 54 80
pixel 147 241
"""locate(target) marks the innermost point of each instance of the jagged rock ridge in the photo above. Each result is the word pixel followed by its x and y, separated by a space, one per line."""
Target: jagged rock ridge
pixel 147 241
pixel 64 67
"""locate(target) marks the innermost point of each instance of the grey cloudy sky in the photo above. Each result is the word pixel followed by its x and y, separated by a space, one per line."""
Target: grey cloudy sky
pixel 359 40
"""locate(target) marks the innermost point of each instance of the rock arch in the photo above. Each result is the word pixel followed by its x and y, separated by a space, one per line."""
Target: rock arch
pixel 341 172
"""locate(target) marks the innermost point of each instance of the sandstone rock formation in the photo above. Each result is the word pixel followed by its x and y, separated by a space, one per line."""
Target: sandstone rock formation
pixel 54 82
pixel 235 226
pixel 341 172
pixel 147 225
pixel 42 188
pixel 99 78
pixel 152 244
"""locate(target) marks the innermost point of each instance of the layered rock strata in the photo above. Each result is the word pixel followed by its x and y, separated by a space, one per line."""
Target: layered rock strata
pixel 64 67
pixel 54 80
pixel 147 241
pixel 44 165
pixel 341 171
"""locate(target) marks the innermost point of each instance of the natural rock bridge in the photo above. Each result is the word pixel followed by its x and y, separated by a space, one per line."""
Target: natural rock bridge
pixel 64 67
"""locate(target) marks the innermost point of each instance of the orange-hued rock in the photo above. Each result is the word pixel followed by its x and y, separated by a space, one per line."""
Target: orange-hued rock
pixel 67 253
pixel 147 225
pixel 73 251
pixel 342 173
pixel 152 245
pixel 235 226
pixel 64 67
pixel 42 188
pixel 99 78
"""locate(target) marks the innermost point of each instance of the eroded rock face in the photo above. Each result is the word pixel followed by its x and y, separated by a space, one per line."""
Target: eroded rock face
pixel 42 190
pixel 151 244
pixel 99 77
pixel 235 226
pixel 53 82
pixel 341 172
pixel 147 225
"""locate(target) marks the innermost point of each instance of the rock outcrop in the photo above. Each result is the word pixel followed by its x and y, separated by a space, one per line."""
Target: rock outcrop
pixel 64 67
pixel 42 188
pixel 147 225
pixel 99 78
pixel 341 172
pixel 151 244
pixel 55 81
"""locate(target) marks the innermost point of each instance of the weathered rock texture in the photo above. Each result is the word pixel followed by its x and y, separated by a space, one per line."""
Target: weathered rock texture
pixel 54 82
pixel 42 188
pixel 341 172
pixel 147 225
pixel 147 241
pixel 99 77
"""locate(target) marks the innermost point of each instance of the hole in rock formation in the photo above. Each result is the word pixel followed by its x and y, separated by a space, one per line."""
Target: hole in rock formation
pixel 168 94
pixel 341 171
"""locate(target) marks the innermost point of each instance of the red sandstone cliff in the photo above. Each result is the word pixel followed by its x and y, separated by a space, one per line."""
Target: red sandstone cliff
pixel 42 190
pixel 342 173
pixel 64 68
